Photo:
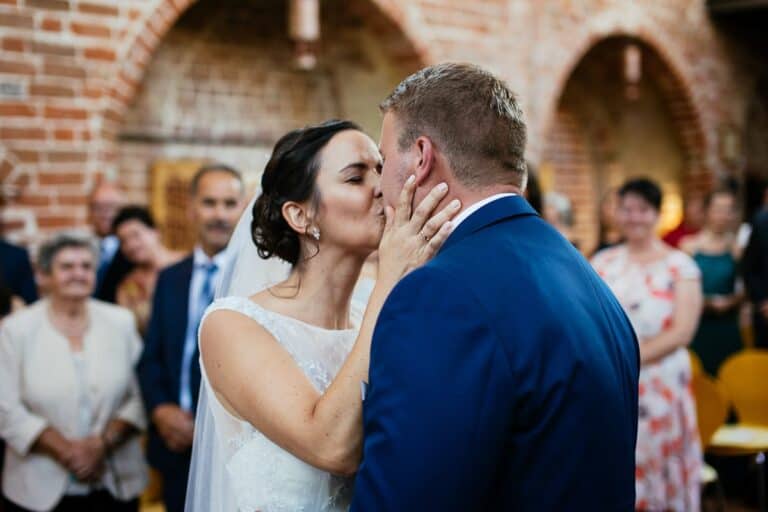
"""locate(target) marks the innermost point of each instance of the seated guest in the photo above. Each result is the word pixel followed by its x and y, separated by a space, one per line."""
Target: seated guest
pixel 557 210
pixel 70 406
pixel 140 244
pixel 716 251
pixel 660 290
pixel 16 272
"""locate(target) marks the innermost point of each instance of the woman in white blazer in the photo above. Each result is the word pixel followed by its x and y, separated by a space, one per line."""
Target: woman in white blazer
pixel 70 408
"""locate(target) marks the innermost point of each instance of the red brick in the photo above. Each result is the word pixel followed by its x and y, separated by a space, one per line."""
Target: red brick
pixel 65 113
pixel 16 109
pixel 90 8
pixel 7 132
pixel 25 156
pixel 63 134
pixel 92 92
pixel 7 226
pixel 9 2
pixel 16 68
pixel 62 157
pixel 17 20
pixel 5 170
pixel 52 49
pixel 100 54
pixel 51 90
pixel 51 25
pixel 66 200
pixel 33 200
pixel 47 221
pixel 53 69
pixel 88 29
pixel 56 5
pixel 60 178
pixel 13 44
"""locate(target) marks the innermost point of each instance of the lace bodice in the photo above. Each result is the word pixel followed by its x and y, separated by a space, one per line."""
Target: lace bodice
pixel 259 475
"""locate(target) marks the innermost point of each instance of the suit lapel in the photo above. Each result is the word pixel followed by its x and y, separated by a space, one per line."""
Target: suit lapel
pixel 492 213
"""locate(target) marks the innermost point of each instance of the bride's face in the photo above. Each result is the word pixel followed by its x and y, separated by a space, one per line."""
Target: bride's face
pixel 351 210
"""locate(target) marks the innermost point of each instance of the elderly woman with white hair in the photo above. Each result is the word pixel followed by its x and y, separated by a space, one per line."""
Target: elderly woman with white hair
pixel 70 408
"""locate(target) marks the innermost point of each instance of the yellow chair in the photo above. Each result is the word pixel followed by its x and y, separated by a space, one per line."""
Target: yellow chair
pixel 711 413
pixel 742 377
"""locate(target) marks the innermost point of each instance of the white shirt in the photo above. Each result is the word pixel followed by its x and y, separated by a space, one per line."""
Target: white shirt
pixel 464 215
pixel 194 314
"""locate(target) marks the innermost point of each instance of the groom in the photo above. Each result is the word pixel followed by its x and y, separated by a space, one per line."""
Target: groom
pixel 504 372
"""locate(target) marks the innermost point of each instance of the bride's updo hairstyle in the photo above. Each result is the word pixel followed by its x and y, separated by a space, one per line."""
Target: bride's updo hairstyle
pixel 290 175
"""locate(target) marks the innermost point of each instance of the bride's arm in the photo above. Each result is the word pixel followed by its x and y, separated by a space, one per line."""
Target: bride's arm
pixel 324 430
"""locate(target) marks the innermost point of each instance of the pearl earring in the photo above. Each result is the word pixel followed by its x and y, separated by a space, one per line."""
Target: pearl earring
pixel 316 233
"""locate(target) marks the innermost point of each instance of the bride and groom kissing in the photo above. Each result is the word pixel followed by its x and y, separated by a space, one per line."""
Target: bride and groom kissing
pixel 492 368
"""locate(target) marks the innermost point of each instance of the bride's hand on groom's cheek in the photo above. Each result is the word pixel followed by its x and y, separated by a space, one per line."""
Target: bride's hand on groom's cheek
pixel 411 237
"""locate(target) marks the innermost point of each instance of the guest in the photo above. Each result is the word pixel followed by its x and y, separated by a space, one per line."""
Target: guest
pixel 559 213
pixel 533 189
pixel 16 272
pixel 660 290
pixel 70 407
pixel 755 269
pixel 609 233
pixel 693 219
pixel 103 204
pixel 716 252
pixel 140 244
pixel 169 371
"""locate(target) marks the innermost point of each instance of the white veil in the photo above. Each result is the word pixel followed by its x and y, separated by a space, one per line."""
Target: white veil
pixel 245 274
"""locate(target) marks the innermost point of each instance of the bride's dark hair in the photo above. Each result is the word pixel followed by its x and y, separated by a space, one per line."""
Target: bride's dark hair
pixel 290 175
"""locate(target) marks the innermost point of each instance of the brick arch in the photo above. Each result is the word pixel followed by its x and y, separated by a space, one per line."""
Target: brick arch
pixel 665 70
pixel 137 55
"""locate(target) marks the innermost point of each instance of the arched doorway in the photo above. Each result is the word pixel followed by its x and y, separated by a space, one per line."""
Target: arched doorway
pixel 222 85
pixel 622 113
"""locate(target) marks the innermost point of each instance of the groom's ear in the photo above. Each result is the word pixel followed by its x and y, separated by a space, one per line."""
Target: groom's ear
pixel 296 216
pixel 425 159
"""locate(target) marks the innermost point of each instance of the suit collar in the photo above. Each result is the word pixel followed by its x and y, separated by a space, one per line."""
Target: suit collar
pixel 491 213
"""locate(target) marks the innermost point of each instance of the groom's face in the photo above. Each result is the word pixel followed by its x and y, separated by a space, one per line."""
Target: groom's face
pixel 398 164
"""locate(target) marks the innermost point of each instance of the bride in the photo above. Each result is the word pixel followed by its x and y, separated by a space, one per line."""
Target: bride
pixel 279 424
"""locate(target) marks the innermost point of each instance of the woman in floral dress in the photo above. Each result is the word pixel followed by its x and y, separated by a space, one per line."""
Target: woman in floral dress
pixel 660 290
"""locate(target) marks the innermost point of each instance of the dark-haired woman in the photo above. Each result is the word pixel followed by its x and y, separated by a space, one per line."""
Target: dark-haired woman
pixel 141 245
pixel 660 290
pixel 282 369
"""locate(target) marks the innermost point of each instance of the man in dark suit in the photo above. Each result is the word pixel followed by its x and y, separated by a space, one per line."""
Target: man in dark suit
pixel 755 270
pixel 16 272
pixel 504 372
pixel 169 372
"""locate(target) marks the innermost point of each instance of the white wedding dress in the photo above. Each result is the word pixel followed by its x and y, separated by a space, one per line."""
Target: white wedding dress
pixel 235 468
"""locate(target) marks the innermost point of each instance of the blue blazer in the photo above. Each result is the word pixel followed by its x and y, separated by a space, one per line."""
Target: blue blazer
pixel 16 272
pixel 159 368
pixel 503 377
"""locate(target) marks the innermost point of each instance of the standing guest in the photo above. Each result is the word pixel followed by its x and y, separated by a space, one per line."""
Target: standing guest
pixel 609 233
pixel 70 407
pixel 755 269
pixel 140 244
pixel 660 289
pixel 169 371
pixel 16 272
pixel 558 211
pixel 103 204
pixel 693 219
pixel 715 250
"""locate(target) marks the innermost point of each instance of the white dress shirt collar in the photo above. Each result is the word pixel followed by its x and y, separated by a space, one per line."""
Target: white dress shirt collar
pixel 464 215
pixel 201 259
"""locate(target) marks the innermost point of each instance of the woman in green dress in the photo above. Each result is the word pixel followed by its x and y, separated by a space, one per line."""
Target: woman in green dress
pixel 716 252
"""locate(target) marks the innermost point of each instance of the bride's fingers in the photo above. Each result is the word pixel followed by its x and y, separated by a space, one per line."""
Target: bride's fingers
pixel 389 218
pixel 434 224
pixel 436 242
pixel 403 212
pixel 427 206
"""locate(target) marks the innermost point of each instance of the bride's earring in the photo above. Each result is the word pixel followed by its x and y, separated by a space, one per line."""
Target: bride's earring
pixel 315 232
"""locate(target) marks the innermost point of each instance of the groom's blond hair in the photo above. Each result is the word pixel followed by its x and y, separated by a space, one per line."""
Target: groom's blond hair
pixel 473 118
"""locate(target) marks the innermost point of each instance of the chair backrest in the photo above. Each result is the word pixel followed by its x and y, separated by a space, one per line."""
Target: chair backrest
pixel 743 376
pixel 696 366
pixel 711 406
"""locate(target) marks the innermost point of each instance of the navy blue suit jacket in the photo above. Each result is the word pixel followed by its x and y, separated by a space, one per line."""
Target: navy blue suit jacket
pixel 16 272
pixel 159 368
pixel 503 377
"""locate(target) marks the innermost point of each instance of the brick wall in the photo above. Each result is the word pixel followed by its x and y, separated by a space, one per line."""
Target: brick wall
pixel 72 74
